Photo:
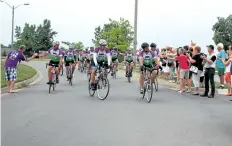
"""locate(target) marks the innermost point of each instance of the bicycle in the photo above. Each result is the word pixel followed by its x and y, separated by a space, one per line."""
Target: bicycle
pixel 53 84
pixel 70 73
pixel 129 72
pixel 114 70
pixel 148 86
pixel 101 83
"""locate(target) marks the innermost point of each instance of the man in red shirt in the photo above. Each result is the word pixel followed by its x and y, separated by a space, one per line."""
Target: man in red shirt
pixel 184 68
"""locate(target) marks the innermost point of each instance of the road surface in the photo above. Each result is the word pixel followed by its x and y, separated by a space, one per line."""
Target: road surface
pixel 70 117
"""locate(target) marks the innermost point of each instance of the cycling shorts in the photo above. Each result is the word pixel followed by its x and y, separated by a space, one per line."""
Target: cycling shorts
pixel 56 64
pixel 68 62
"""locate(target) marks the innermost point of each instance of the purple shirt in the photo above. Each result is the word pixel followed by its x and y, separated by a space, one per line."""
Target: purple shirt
pixel 13 58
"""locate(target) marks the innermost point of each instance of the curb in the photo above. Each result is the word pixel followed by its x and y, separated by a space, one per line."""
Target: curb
pixel 175 86
pixel 24 83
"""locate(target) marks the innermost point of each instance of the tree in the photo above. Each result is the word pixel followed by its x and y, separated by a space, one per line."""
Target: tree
pixel 223 31
pixel 78 45
pixel 34 37
pixel 116 33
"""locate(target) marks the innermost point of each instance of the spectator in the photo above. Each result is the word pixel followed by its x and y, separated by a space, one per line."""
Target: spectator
pixel 187 50
pixel 227 63
pixel 177 67
pixel 12 60
pixel 209 64
pixel 171 64
pixel 219 63
pixel 163 61
pixel 196 68
pixel 184 68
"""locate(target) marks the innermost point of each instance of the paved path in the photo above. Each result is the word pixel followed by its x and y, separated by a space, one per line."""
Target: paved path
pixel 69 117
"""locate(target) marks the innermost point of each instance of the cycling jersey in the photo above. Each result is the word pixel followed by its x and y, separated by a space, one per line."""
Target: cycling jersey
pixel 101 56
pixel 55 54
pixel 70 56
pixel 114 55
pixel 148 58
pixel 155 52
pixel 129 57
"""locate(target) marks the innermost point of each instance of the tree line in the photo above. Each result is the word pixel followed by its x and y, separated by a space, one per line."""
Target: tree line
pixel 117 33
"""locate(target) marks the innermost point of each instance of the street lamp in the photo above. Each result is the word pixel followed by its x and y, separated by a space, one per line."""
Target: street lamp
pixel 135 25
pixel 13 8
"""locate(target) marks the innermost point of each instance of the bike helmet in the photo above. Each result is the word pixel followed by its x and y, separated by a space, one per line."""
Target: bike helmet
pixel 115 48
pixel 56 43
pixel 102 42
pixel 86 49
pixel 71 47
pixel 145 45
pixel 153 45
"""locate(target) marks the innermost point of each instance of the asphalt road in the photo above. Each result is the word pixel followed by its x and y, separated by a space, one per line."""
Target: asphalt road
pixel 70 117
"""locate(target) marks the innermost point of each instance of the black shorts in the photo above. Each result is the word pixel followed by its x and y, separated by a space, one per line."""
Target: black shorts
pixel 190 74
pixel 52 63
pixel 68 62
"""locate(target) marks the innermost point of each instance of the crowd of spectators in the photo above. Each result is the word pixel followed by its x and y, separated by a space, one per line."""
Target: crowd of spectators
pixel 189 66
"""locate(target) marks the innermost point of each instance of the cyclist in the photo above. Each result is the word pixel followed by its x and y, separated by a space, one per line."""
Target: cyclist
pixel 155 50
pixel 56 60
pixel 70 57
pixel 147 59
pixel 90 57
pixel 102 57
pixel 114 54
pixel 129 58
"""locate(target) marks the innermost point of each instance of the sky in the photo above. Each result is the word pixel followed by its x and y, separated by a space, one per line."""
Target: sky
pixel 165 22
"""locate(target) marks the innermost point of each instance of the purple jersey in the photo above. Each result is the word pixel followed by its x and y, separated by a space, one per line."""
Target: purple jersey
pixel 13 58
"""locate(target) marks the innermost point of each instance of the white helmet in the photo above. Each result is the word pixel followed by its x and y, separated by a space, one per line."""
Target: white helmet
pixel 71 47
pixel 56 43
pixel 102 42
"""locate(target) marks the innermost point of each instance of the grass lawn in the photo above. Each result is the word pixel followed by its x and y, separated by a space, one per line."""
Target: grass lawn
pixel 24 72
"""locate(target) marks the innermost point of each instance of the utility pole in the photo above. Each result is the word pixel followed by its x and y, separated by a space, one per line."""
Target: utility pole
pixel 135 26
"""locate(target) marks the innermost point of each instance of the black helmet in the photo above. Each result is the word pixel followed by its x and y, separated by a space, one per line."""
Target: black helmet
pixel 145 45
pixel 153 45
pixel 115 48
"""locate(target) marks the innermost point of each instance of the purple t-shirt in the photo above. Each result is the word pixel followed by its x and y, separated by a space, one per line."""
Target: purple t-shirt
pixel 13 58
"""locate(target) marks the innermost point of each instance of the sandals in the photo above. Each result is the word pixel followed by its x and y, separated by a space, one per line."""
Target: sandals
pixel 227 94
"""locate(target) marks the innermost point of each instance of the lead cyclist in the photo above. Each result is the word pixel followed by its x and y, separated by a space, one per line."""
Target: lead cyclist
pixel 56 60
pixel 101 56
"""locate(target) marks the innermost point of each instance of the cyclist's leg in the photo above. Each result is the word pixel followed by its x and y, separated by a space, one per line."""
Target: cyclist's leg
pixel 73 66
pixel 141 81
pixel 50 72
pixel 66 66
pixel 116 61
pixel 154 74
pixel 57 71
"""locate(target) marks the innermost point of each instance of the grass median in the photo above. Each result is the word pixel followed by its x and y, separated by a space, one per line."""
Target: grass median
pixel 24 72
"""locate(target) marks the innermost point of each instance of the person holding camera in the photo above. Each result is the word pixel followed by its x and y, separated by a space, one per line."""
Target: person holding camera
pixel 209 61
pixel 196 68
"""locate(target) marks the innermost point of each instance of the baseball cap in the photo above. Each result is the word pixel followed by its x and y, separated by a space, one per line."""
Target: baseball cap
pixel 23 47
pixel 220 45
pixel 211 47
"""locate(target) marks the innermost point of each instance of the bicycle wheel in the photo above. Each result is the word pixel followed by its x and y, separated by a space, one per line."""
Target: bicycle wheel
pixel 144 90
pixel 91 92
pixel 103 86
pixel 49 88
pixel 54 86
pixel 149 90
pixel 129 75
pixel 156 84
pixel 114 73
